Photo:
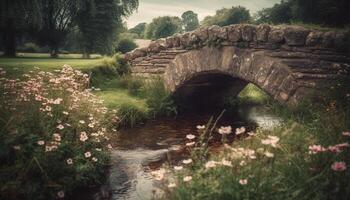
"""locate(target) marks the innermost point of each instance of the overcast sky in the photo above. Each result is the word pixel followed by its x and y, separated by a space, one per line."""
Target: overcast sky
pixel 149 9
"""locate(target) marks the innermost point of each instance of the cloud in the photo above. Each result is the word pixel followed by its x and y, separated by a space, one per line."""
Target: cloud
pixel 149 9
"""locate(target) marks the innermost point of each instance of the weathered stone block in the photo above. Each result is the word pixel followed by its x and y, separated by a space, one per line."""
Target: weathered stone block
pixel 295 35
pixel 276 35
pixel 248 33
pixel 262 33
pixel 314 38
pixel 234 33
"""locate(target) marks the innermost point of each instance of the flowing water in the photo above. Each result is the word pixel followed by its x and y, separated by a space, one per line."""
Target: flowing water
pixel 142 149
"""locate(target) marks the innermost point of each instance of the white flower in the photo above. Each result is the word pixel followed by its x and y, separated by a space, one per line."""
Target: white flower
pixel 226 163
pixel 190 136
pixel 17 147
pixel 81 121
pixel 187 178
pixel 242 163
pixel 271 140
pixel 57 137
pixel 94 159
pixel 269 154
pixel 65 112
pixel 69 161
pixel 225 130
pixel 98 149
pixel 200 127
pixel 251 133
pixel 87 154
pixel 178 168
pixel 240 130
pixel 172 185
pixel 83 136
pixel 243 181
pixel 41 142
pixel 210 164
pixel 60 127
pixel 189 144
pixel 91 125
pixel 188 161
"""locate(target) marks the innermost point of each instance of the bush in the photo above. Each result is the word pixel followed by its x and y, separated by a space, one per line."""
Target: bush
pixel 125 45
pixel 131 115
pixel 158 99
pixel 53 135
pixel 30 47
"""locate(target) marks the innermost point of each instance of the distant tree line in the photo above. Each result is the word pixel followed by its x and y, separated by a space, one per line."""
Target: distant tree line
pixel 92 25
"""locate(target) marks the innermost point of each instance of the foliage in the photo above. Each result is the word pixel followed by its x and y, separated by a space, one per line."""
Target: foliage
pixel 139 29
pixel 227 16
pixel 304 158
pixel 162 27
pixel 100 21
pixel 131 115
pixel 30 47
pixel 125 44
pixel 325 12
pixel 53 135
pixel 190 20
pixel 158 99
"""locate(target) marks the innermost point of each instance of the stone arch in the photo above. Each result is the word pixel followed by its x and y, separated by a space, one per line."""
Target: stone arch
pixel 242 65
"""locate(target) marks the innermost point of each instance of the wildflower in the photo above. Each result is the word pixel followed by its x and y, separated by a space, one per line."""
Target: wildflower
pixel 225 130
pixel 269 154
pixel 159 174
pixel 189 144
pixel 83 136
pixel 48 148
pixel 57 137
pixel 87 154
pixel 242 163
pixel 69 161
pixel 188 161
pixel 243 181
pixel 60 194
pixel 338 166
pixel 109 146
pixel 81 121
pixel 17 147
pixel 251 133
pixel 334 149
pixel 240 130
pixel 190 136
pixel 98 149
pixel 316 149
pixel 210 164
pixel 200 127
pixel 178 168
pixel 65 112
pixel 57 101
pixel 346 133
pixel 60 127
pixel 271 140
pixel 171 185
pixel 226 163
pixel 187 178
pixel 41 142
pixel 342 145
pixel 94 159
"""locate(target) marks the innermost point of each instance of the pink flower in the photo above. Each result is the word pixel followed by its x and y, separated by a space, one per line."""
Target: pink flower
pixel 346 133
pixel 172 185
pixel 334 149
pixel 240 130
pixel 83 136
pixel 225 130
pixel 314 149
pixel 190 136
pixel 338 166
pixel 94 159
pixel 60 194
pixel 243 181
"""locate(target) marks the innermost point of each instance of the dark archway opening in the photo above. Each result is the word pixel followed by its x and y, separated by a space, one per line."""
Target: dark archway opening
pixel 207 91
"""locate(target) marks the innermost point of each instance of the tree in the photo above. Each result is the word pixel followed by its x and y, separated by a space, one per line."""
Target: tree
pixel 17 16
pixel 57 22
pixel 190 20
pixel 162 27
pixel 226 16
pixel 100 21
pixel 139 29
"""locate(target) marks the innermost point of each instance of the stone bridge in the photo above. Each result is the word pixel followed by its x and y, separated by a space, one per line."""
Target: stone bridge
pixel 287 62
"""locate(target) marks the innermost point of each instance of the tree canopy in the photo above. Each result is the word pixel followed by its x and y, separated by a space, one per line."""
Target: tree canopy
pixel 190 20
pixel 139 29
pixel 227 16
pixel 162 27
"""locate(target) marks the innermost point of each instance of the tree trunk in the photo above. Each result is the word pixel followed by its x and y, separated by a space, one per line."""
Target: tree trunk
pixel 54 52
pixel 86 53
pixel 10 39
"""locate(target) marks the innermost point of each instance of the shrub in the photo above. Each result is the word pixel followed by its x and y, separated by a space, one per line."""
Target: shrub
pixel 158 99
pixel 53 135
pixel 30 47
pixel 131 115
pixel 125 45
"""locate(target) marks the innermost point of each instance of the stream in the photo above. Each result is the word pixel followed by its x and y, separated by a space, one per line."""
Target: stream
pixel 142 149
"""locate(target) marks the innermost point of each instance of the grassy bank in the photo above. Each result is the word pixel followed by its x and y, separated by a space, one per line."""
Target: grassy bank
pixel 305 158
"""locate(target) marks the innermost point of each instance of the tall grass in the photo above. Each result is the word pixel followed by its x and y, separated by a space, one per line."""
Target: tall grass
pixel 305 158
